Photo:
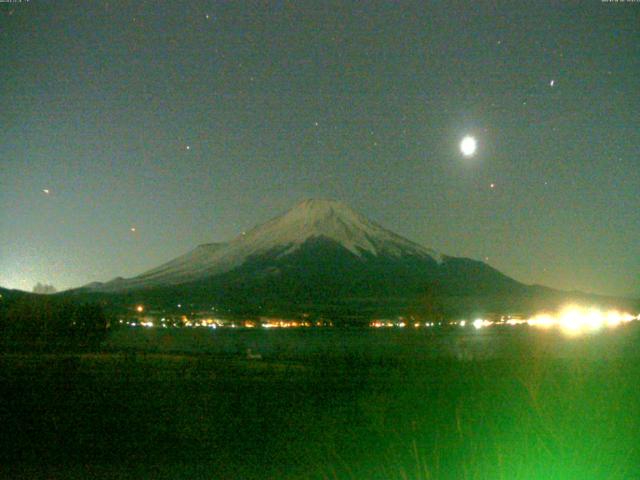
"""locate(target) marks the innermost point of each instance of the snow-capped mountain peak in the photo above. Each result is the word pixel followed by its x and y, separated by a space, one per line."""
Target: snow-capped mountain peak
pixel 310 219
pixel 335 221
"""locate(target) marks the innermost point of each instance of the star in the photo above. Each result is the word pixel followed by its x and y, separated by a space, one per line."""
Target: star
pixel 188 147
pixel 492 186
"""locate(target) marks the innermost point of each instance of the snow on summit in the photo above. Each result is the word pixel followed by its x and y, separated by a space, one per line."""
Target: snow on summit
pixel 333 220
pixel 310 219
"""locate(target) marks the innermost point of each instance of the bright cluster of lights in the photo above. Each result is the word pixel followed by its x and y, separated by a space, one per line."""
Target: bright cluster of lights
pixel 215 323
pixel 275 323
pixel 575 320
pixel 382 324
pixel 572 320
pixel 400 323
pixel 207 322
pixel 479 323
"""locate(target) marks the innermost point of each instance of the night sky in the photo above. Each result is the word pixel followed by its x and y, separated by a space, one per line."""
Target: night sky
pixel 133 131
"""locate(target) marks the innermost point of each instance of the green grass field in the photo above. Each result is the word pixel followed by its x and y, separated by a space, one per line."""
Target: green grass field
pixel 526 415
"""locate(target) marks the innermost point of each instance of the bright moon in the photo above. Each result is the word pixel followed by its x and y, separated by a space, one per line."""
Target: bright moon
pixel 468 146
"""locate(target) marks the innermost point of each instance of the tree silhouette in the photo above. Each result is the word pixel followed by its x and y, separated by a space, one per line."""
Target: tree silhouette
pixel 49 322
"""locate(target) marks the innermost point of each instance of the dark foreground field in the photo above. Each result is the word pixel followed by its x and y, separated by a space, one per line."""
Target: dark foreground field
pixel 543 408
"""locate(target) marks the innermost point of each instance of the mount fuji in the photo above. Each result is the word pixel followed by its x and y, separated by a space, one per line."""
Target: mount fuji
pixel 319 252
pixel 310 222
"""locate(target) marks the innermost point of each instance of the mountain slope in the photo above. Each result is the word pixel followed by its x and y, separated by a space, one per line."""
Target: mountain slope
pixel 321 270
